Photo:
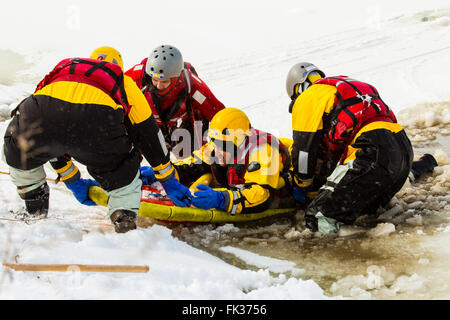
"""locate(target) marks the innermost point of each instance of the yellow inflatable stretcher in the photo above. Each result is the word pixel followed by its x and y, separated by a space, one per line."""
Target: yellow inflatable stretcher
pixel 158 206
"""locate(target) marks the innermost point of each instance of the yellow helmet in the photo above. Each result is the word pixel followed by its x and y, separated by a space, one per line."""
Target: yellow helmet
pixel 108 54
pixel 229 125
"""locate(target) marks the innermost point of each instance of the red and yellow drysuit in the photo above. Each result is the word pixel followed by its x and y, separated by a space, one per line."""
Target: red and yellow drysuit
pixel 88 110
pixel 347 142
pixel 259 169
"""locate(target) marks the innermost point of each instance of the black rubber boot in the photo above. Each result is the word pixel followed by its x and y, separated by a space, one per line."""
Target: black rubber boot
pixel 425 164
pixel 36 201
pixel 123 220
pixel 311 221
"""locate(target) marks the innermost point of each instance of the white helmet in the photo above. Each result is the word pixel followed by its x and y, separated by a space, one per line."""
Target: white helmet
pixel 165 62
pixel 298 74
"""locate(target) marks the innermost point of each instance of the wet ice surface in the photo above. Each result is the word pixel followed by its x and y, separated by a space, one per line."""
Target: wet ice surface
pixel 401 254
pixel 428 126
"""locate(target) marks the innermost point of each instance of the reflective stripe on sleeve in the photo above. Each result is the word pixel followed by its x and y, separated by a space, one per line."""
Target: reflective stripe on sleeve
pixel 235 205
pixel 303 183
pixel 164 172
pixel 162 141
pixel 303 162
pixel 68 171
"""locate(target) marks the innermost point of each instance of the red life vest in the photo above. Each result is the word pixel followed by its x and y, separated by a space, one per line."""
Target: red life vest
pixel 236 171
pixel 103 75
pixel 356 105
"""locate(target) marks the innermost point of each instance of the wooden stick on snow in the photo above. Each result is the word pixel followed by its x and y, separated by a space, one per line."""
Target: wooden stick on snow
pixel 76 267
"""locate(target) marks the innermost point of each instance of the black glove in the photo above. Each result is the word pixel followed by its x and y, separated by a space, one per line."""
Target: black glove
pixel 123 220
pixel 425 164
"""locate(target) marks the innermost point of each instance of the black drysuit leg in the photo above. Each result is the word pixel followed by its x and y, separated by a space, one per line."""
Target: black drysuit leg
pixel 45 128
pixel 362 185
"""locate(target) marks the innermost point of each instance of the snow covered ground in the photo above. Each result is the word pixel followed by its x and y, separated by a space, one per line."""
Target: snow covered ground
pixel 243 50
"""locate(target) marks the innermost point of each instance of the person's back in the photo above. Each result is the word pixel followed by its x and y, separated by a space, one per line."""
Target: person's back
pixel 342 107
pixel 347 145
pixel 63 100
pixel 86 109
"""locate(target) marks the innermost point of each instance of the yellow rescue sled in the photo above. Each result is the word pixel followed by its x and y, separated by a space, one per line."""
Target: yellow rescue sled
pixel 155 204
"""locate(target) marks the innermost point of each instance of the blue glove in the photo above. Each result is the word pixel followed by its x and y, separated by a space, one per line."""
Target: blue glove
pixel 80 190
pixel 207 198
pixel 300 194
pixel 147 175
pixel 179 194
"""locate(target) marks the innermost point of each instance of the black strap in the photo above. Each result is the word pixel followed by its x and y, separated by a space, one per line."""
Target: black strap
pixel 378 97
pixel 192 69
pixel 99 65
pixel 354 100
pixel 240 200
pixel 72 67
pixel 329 121
pixel 351 115
pixel 118 79
pixel 332 119
pixel 291 105
pixel 343 104
pixel 349 83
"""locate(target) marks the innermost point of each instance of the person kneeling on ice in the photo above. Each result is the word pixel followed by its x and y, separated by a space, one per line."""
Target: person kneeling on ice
pixel 249 166
pixel 349 156
pixel 86 109
pixel 178 97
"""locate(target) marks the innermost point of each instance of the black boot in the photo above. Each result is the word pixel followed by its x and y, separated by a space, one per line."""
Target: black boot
pixel 36 201
pixel 123 220
pixel 311 221
pixel 425 164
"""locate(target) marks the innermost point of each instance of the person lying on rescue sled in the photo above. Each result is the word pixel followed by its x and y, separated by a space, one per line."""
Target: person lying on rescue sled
pixel 249 166
pixel 178 97
pixel 87 110
pixel 347 146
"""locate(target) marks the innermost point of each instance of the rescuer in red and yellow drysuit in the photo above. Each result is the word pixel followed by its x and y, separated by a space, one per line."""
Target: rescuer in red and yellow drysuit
pixel 86 109
pixel 347 146
pixel 249 166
